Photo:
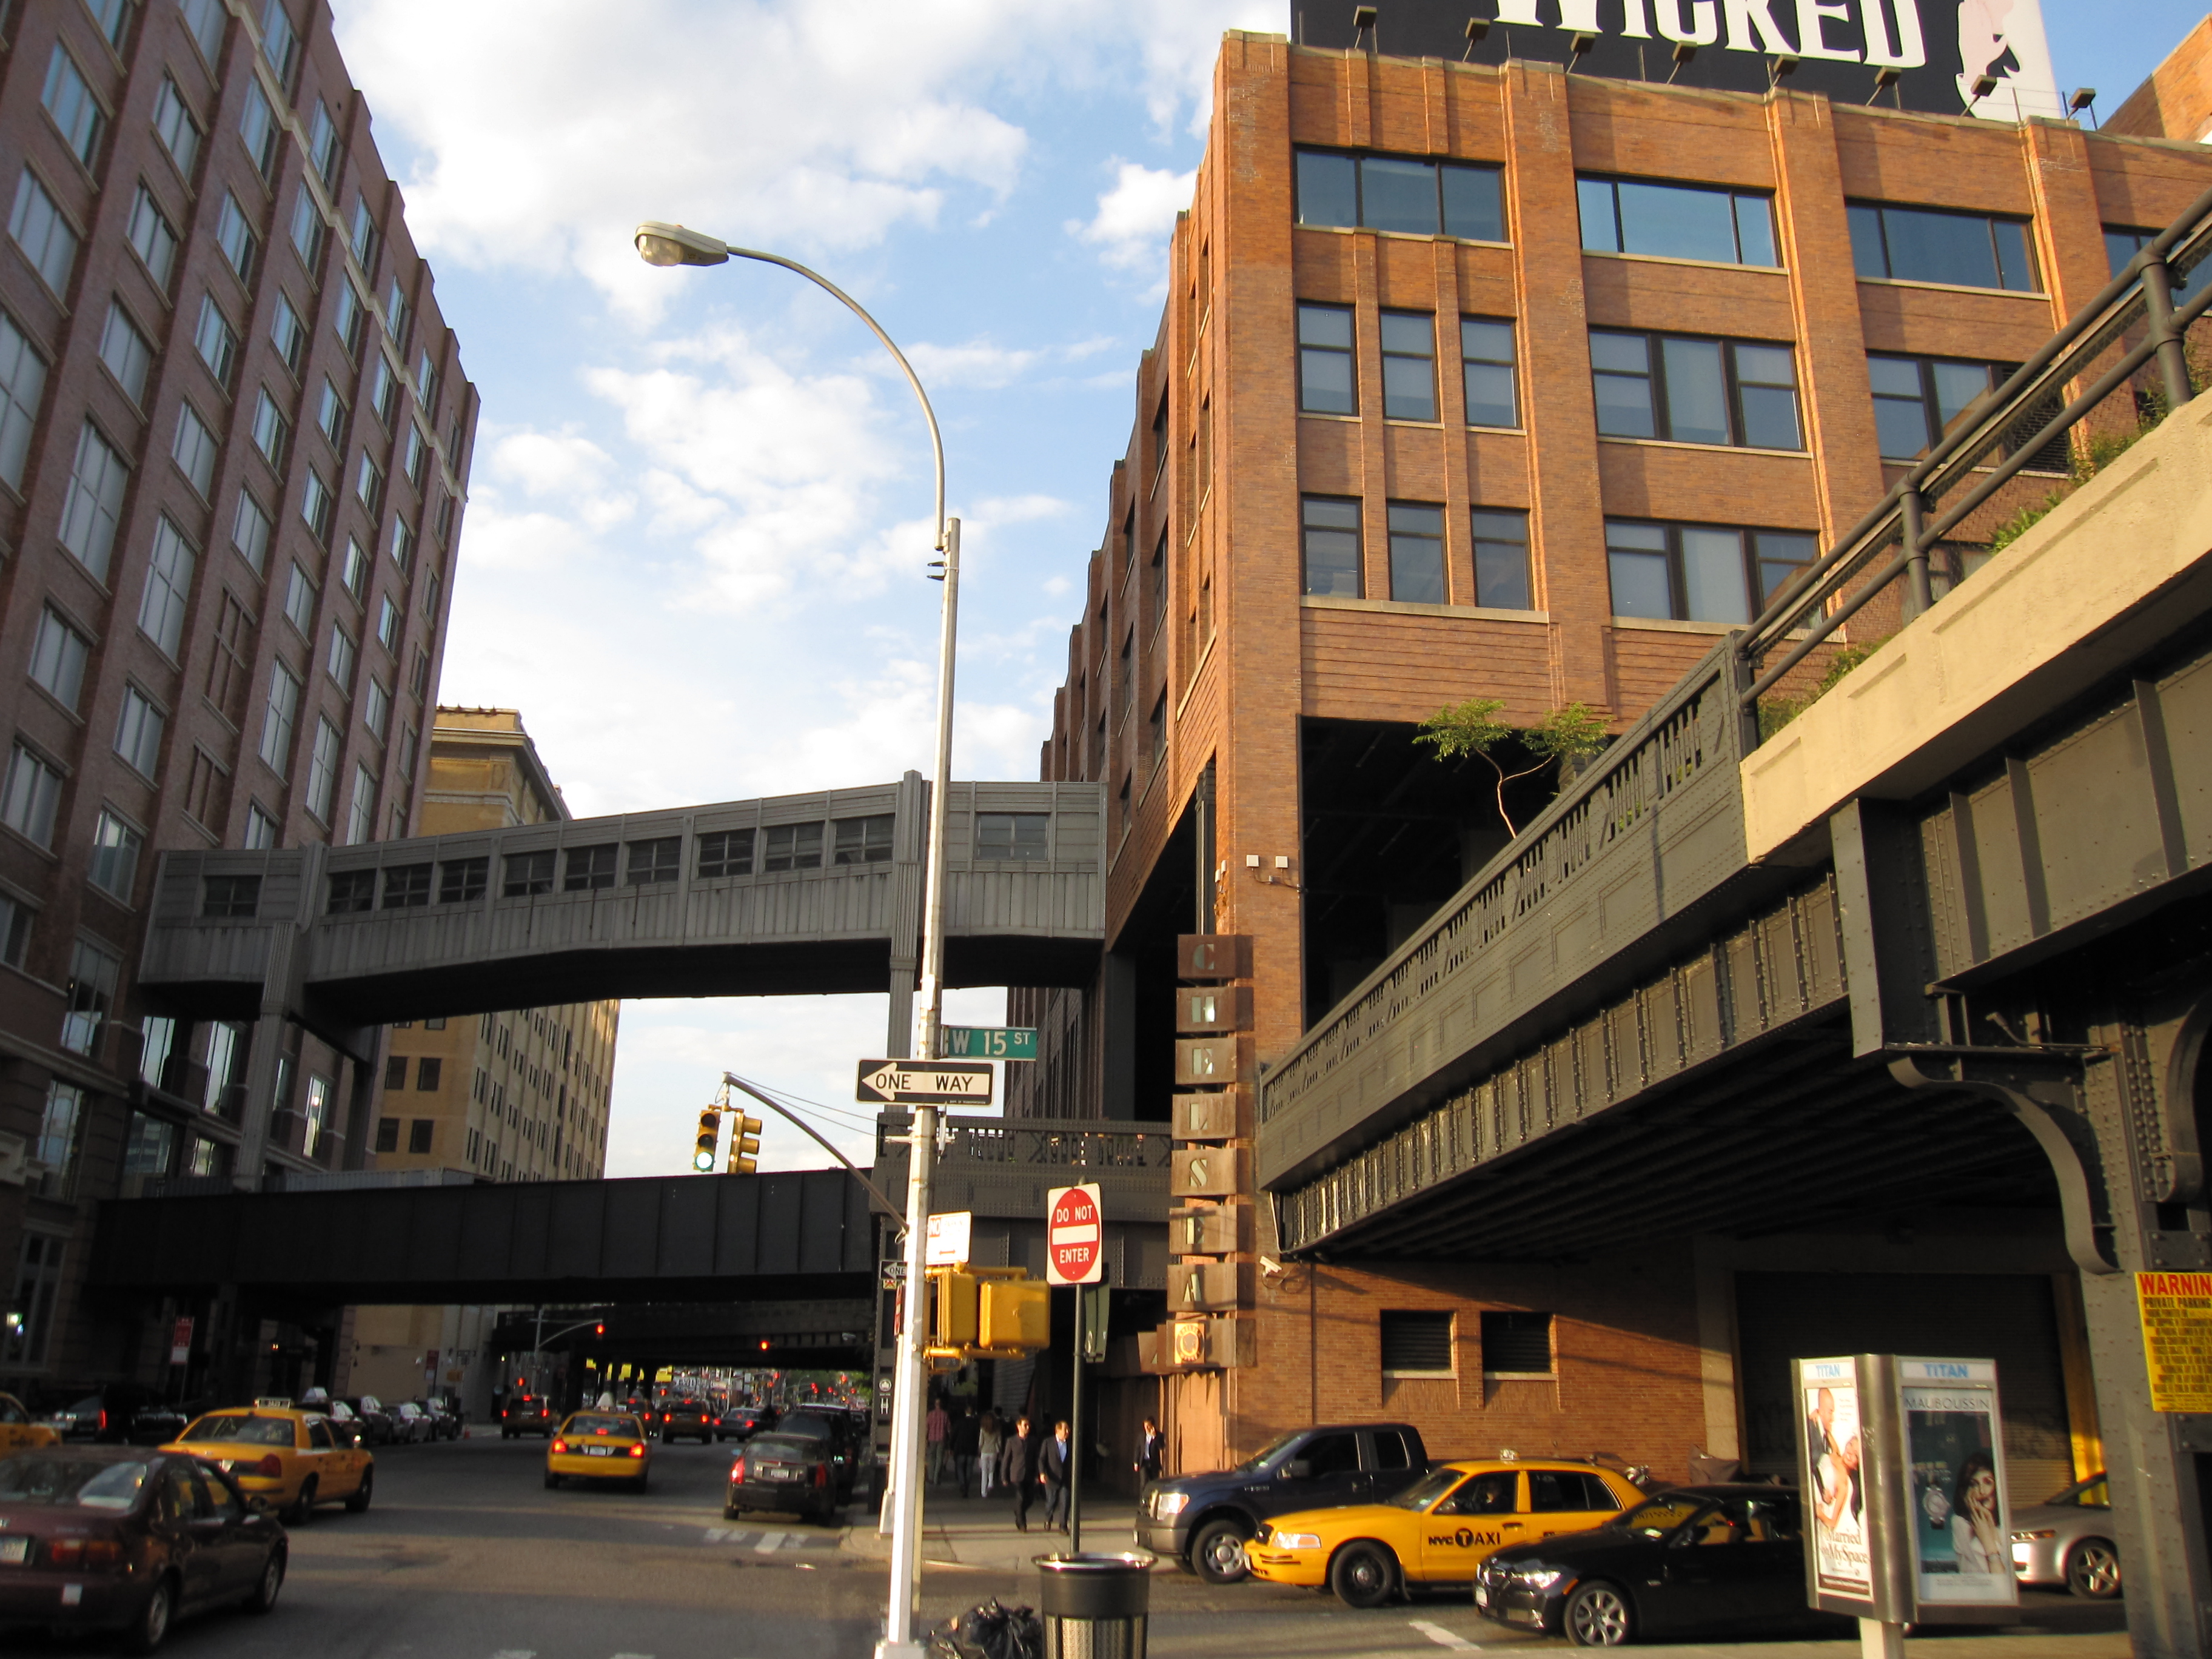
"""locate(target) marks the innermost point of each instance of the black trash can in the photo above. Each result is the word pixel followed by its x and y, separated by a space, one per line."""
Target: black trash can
pixel 1094 1607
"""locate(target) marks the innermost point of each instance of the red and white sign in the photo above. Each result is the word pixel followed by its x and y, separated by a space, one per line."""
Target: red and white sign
pixel 1074 1235
pixel 180 1343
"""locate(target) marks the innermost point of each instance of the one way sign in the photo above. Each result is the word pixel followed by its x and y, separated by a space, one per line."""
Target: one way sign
pixel 924 1083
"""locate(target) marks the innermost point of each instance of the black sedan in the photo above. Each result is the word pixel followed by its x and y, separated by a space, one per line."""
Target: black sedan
pixel 791 1472
pixel 114 1538
pixel 1717 1559
pixel 742 1422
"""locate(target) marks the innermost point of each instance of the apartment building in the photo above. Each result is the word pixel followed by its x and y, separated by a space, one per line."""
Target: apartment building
pixel 1509 380
pixel 233 449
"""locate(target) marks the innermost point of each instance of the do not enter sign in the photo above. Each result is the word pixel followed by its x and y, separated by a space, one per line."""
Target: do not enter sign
pixel 1074 1235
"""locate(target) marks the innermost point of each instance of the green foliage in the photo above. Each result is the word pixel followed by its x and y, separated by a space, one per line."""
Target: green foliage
pixel 1566 736
pixel 1777 711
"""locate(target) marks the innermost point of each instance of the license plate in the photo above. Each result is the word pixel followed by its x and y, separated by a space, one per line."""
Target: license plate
pixel 15 1549
pixel 783 1474
pixel 1482 1597
pixel 597 1451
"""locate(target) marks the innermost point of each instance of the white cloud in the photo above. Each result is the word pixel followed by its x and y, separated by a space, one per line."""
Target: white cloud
pixel 1135 217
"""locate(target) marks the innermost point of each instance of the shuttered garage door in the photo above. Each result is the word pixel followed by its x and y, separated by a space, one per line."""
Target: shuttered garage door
pixel 2008 1318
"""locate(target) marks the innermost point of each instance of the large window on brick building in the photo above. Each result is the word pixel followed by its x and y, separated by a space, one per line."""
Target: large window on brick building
pixel 1692 391
pixel 1417 1344
pixel 1699 572
pixel 1676 221
pixel 1923 244
pixel 1400 193
pixel 1517 1344
pixel 1330 533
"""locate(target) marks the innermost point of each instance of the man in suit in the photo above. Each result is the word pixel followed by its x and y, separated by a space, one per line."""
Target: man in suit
pixel 1018 1472
pixel 1148 1453
pixel 1053 1467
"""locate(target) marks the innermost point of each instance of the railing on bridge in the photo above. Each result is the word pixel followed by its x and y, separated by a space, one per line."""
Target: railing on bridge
pixel 1001 1167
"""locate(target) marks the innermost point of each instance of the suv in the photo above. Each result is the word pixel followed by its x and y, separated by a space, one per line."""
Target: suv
pixel 1203 1520
pixel 690 1420
pixel 847 1433
pixel 527 1413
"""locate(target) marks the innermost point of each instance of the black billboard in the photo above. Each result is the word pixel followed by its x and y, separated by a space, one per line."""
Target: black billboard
pixel 1910 54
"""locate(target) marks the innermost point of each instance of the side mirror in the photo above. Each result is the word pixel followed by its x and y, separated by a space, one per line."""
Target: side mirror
pixel 1298 1468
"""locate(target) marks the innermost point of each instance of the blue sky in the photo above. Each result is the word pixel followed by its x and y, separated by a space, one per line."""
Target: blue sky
pixel 698 518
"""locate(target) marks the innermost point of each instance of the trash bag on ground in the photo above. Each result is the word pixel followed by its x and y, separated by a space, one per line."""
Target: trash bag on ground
pixel 991 1630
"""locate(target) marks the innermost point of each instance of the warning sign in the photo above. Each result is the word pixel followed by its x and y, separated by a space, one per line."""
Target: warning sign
pixel 2177 1328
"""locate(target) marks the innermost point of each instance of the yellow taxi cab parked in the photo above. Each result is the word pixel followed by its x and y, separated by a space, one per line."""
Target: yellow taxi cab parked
pixel 18 1433
pixel 600 1446
pixel 294 1459
pixel 1439 1529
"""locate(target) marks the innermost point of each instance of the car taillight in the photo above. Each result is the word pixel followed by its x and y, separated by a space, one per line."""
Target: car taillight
pixel 638 1450
pixel 821 1474
pixel 103 1419
pixel 560 1446
pixel 273 1466
pixel 84 1551
pixel 738 1470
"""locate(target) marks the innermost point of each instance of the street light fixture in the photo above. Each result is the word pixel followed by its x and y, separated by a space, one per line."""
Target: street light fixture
pixel 665 245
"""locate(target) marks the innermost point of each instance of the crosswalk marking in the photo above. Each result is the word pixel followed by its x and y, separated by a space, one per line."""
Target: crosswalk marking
pixel 769 1543
pixel 1443 1637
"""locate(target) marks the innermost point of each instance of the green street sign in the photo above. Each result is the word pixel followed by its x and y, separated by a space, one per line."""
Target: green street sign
pixel 989 1041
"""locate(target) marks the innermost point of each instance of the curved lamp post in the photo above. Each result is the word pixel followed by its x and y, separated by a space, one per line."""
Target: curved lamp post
pixel 660 244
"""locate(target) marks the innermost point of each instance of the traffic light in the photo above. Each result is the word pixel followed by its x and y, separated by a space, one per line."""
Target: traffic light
pixel 1014 1313
pixel 599 1329
pixel 993 1312
pixel 710 1131
pixel 745 1143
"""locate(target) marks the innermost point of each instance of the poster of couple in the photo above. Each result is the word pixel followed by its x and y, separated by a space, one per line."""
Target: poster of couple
pixel 1835 1487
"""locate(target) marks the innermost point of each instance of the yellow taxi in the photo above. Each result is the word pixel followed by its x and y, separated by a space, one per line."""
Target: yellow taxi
pixel 18 1433
pixel 600 1446
pixel 1439 1529
pixel 292 1458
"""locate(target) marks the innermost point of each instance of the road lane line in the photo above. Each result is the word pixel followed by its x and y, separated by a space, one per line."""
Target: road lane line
pixel 769 1543
pixel 1443 1637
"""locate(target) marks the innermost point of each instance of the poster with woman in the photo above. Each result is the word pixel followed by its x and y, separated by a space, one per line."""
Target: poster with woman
pixel 1960 1553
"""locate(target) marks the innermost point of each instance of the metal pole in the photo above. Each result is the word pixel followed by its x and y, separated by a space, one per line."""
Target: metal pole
pixel 899 1641
pixel 2172 350
pixel 1920 592
pixel 1075 1435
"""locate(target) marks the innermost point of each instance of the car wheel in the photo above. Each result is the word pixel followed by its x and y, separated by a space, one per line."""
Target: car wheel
pixel 303 1507
pixel 146 1630
pixel 1597 1616
pixel 1217 1554
pixel 730 1511
pixel 358 1501
pixel 2093 1569
pixel 1364 1575
pixel 507 1434
pixel 644 1479
pixel 272 1580
pixel 552 1481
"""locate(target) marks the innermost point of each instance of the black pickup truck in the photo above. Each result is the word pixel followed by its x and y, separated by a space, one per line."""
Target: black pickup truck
pixel 1203 1520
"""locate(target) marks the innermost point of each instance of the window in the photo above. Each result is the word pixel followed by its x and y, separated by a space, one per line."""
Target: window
pixel 271 431
pixel 1409 366
pixel 387 1128
pixel 1517 1344
pixel 289 332
pixel 793 846
pixel 1328 384
pixel 1569 1492
pixel 352 891
pixel 180 133
pixel 1392 192
pixel 323 145
pixel 330 413
pixel 114 863
pixel 383 388
pixel 357 568
pixel 71 102
pixel 387 623
pixel 1501 559
pixel 1331 542
pixel 317 504
pixel 151 237
pixel 2122 245
pixel 44 235
pixel 323 769
pixel 113 17
pixel 308 229
pixel 206 19
pixel 351 317
pixel 22 383
pixel 1417 553
pixel 425 381
pixel 124 350
pixel 1922 245
pixel 59 1129
pixel 430 590
pixel 93 974
pixel 406 886
pixel 1695 392
pixel 234 235
pixel 526 875
pixel 249 532
pixel 1917 398
pixel 1015 837
pixel 193 449
pixel 1486 350
pixel 138 729
pixel 418 455
pixel 1417 1344
pixel 589 869
pixel 651 862
pixel 1675 222
pixel 260 828
pixel 1699 572
pixel 315 1112
pixel 376 712
pixel 280 44
pixel 427 1071
pixel 420 1131
pixel 402 545
pixel 369 484
pixel 215 342
pixel 169 588
pixel 396 313
pixel 277 721
pixel 462 881
pixel 726 852
pixel 408 738
pixel 361 815
pixel 364 239
pixel 863 841
pixel 230 898
pixel 341 657
pixel 1331 1454
pixel 58 658
pixel 299 600
pixel 256 125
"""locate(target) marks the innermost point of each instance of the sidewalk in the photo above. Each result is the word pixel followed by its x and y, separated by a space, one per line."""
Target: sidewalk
pixel 979 1532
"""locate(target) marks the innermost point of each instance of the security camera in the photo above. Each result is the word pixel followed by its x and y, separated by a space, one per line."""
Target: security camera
pixel 1270 1267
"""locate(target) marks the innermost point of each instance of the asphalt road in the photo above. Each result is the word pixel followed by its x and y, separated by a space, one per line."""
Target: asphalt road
pixel 466 1555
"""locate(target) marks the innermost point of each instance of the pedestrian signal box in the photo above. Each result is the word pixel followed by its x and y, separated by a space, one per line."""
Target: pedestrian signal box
pixel 987 1313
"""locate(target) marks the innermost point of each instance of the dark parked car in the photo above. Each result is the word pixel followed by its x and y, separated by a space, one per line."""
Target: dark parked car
pixel 104 1415
pixel 794 1472
pixel 689 1420
pixel 119 1538
pixel 1204 1520
pixel 845 1432
pixel 158 1423
pixel 445 1417
pixel 369 1418
pixel 527 1413
pixel 742 1422
pixel 1719 1558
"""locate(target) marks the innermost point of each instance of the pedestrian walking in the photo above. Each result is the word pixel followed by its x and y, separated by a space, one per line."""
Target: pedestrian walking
pixel 1018 1472
pixel 965 1438
pixel 989 1439
pixel 1052 1464
pixel 1148 1453
pixel 937 1424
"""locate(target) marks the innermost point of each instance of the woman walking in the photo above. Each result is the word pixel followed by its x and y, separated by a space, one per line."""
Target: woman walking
pixel 989 1441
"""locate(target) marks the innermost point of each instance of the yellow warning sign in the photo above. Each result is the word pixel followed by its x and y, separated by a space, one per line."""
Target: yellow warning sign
pixel 2177 1328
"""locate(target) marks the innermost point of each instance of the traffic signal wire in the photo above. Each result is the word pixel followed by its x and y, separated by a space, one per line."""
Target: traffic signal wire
pixel 731 1080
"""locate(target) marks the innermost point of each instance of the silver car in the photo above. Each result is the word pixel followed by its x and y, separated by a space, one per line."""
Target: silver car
pixel 2068 1539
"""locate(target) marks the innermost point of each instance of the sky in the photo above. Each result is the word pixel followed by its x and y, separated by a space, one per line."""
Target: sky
pixel 695 551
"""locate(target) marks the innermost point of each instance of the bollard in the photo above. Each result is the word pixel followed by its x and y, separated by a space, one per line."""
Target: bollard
pixel 1094 1607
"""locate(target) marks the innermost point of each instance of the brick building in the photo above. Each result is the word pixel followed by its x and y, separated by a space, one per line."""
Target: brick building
pixel 1510 381
pixel 234 442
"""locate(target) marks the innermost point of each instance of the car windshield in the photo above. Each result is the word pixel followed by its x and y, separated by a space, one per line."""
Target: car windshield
pixel 84 1484
pixel 1427 1490
pixel 781 1445
pixel 239 1430
pixel 1271 1454
pixel 599 1423
pixel 801 1423
pixel 1655 1517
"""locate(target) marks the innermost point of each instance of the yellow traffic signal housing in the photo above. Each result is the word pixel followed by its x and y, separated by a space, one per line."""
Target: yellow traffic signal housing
pixel 745 1145
pixel 953 1297
pixel 710 1132
pixel 1014 1314
pixel 987 1313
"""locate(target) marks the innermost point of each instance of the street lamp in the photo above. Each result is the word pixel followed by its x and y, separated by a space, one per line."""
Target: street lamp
pixel 660 244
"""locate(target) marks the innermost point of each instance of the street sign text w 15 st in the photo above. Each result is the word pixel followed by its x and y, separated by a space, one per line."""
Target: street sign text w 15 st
pixel 924 1083
pixel 1074 1235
